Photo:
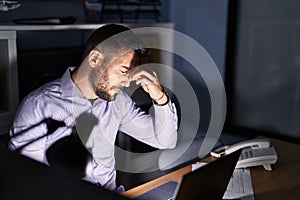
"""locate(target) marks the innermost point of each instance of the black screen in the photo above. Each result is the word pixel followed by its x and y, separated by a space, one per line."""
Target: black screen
pixel 262 77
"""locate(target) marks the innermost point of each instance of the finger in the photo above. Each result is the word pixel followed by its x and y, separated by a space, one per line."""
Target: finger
pixel 145 87
pixel 134 71
pixel 143 80
pixel 143 73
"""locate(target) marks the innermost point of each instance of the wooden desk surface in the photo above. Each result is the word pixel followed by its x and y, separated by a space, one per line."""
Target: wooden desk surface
pixel 283 182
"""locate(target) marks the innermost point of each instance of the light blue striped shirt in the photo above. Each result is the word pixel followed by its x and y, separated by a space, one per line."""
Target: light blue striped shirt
pixel 62 100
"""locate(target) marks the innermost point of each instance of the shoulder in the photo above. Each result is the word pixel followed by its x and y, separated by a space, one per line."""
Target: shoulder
pixel 38 99
pixel 47 90
pixel 33 106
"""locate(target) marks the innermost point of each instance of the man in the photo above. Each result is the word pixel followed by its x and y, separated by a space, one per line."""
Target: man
pixel 95 88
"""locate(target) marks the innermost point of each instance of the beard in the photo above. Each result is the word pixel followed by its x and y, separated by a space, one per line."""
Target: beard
pixel 101 84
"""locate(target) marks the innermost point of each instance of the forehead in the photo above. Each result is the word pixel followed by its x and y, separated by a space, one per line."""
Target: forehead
pixel 127 59
pixel 129 55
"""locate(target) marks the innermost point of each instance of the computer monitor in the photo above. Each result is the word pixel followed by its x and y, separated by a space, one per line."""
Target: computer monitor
pixel 262 75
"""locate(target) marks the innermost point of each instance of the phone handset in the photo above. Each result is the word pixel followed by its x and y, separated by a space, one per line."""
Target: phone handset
pixel 255 152
pixel 254 144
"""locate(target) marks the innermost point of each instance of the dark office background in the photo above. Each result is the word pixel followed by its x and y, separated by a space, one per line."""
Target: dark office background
pixel 203 20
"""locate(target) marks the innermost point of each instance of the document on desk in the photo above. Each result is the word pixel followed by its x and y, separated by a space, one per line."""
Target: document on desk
pixel 240 184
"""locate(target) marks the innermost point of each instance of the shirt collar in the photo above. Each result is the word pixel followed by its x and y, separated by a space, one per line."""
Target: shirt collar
pixel 69 89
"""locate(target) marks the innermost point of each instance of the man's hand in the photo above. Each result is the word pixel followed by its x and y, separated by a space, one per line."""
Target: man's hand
pixel 150 83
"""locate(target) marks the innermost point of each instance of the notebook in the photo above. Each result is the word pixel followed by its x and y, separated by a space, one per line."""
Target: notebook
pixel 207 182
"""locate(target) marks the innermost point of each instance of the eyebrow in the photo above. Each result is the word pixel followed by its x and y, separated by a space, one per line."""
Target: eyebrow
pixel 123 66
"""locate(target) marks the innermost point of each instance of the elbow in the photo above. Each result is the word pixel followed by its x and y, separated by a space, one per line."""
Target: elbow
pixel 172 143
pixel 172 146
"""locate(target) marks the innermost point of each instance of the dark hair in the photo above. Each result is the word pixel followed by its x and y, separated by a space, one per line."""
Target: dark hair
pixel 113 37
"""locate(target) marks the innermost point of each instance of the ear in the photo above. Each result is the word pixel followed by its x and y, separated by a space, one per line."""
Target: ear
pixel 95 57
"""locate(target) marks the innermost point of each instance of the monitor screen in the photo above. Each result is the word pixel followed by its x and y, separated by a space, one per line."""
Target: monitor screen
pixel 262 76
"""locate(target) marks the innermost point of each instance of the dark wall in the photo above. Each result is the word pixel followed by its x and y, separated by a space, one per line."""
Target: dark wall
pixel 263 67
pixel 44 8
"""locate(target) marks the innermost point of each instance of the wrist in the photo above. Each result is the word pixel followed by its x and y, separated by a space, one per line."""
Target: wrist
pixel 163 100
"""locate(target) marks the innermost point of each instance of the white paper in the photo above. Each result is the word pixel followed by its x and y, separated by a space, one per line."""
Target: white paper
pixel 198 165
pixel 240 185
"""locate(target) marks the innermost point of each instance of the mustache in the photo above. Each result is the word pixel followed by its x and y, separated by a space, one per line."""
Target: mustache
pixel 117 87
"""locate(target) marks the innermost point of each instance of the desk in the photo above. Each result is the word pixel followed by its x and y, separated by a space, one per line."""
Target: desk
pixel 283 182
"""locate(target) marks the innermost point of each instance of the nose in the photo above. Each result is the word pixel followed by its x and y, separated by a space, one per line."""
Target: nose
pixel 126 81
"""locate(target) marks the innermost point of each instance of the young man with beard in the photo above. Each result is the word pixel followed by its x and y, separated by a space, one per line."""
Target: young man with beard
pixel 95 88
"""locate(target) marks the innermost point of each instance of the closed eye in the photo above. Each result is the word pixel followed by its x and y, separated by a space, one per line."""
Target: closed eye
pixel 124 71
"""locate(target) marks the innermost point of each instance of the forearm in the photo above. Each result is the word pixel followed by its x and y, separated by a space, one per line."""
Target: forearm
pixel 159 131
pixel 28 143
pixel 165 125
